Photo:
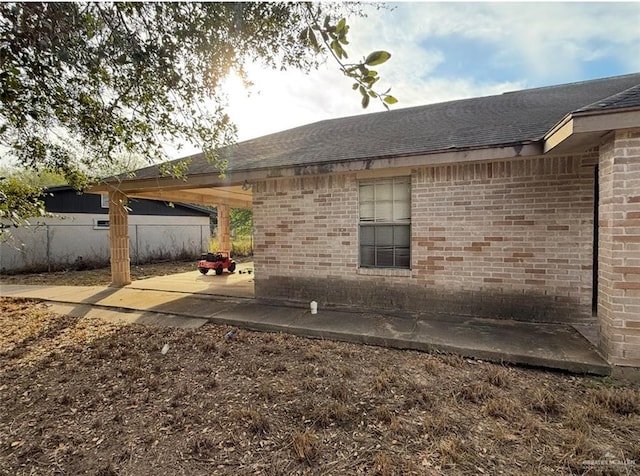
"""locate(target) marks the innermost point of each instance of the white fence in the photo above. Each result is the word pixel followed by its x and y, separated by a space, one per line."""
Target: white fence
pixel 49 246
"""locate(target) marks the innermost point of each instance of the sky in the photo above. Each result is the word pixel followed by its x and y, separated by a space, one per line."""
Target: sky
pixel 446 51
pixel 443 51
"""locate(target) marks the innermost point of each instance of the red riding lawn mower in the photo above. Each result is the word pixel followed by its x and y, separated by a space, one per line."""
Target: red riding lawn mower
pixel 217 261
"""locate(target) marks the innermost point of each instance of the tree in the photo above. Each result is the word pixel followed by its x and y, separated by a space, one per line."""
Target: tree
pixel 241 221
pixel 33 178
pixel 81 83
pixel 19 201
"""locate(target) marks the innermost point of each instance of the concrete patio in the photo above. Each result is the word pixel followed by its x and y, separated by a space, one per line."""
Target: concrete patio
pixel 191 300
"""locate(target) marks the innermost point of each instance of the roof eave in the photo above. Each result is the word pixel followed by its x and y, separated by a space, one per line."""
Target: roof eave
pixel 585 129
pixel 240 176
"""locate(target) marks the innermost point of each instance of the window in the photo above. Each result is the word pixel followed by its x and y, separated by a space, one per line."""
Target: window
pixel 385 223
pixel 99 224
pixel 104 201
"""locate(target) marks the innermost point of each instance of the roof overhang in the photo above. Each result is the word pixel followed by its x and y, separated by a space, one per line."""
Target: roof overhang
pixel 234 187
pixel 584 130
pixel 198 192
pixel 576 132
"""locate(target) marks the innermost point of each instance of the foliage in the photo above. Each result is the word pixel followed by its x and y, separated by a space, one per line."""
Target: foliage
pixel 36 178
pixel 241 221
pixel 19 202
pixel 241 246
pixel 82 83
pixel 334 37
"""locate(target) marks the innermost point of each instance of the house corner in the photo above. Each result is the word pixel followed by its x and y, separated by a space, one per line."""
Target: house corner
pixel 619 252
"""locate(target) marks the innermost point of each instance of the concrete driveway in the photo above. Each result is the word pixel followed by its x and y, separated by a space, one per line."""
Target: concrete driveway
pixel 238 284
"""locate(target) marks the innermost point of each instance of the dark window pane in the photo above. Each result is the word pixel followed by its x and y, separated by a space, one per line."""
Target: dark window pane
pixel 367 235
pixel 367 256
pixel 401 235
pixel 384 236
pixel 403 258
pixel 384 257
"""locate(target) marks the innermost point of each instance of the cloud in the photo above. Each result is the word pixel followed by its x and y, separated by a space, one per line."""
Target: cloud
pixel 542 42
pixel 446 51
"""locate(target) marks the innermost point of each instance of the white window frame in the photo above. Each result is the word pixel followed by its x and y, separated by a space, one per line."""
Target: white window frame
pixel 392 213
pixel 101 224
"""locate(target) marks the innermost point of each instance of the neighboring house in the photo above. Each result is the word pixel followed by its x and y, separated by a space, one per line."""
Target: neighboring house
pixel 524 205
pixel 78 235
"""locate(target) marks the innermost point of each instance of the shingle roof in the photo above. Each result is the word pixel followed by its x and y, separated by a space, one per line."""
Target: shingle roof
pixel 511 118
pixel 627 98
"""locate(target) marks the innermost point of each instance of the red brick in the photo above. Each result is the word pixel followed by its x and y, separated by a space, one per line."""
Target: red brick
pixel 626 285
pixel 627 238
pixel 626 269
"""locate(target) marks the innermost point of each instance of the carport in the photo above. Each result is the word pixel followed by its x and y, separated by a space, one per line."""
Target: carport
pixel 204 185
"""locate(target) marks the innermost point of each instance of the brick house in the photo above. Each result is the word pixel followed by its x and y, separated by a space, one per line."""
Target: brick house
pixel 524 205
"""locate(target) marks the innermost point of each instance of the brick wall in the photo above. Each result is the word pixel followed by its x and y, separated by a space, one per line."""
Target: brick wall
pixel 508 239
pixel 619 256
pixel 518 234
pixel 306 227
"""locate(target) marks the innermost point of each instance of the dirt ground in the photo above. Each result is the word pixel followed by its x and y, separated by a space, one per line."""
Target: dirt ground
pixel 81 396
pixel 100 276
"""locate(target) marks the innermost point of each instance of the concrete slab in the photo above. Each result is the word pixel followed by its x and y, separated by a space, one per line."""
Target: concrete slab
pixel 352 326
pixel 238 284
pixel 89 294
pixel 152 319
pixel 258 316
pixel 542 345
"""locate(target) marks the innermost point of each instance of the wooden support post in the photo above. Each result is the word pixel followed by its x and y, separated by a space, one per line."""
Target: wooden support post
pixel 224 227
pixel 119 239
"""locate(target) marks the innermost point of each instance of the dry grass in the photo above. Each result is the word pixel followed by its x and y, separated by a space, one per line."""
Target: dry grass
pixel 305 446
pixel 241 246
pixel 82 397
pixel 102 276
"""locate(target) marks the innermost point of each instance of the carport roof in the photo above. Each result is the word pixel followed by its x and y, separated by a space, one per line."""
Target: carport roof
pixel 509 119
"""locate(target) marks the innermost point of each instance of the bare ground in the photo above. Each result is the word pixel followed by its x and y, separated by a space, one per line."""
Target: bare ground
pixel 99 276
pixel 81 396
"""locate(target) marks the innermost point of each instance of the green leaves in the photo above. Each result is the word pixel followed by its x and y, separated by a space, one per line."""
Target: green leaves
pixel 308 37
pixel 376 58
pixel 84 83
pixel 334 36
pixel 19 201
